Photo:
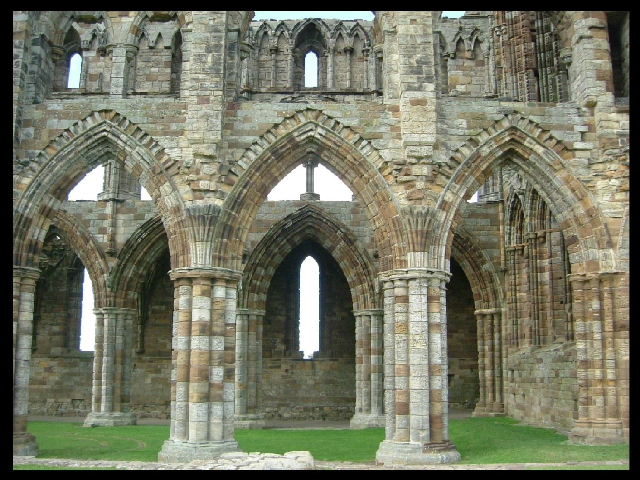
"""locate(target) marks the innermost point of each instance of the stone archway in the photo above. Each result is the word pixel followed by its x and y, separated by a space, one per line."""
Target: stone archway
pixel 542 160
pixel 340 247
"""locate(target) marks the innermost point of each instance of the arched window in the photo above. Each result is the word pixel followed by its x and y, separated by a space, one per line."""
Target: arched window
pixel 311 70
pixel 75 67
pixel 309 327
pixel 88 319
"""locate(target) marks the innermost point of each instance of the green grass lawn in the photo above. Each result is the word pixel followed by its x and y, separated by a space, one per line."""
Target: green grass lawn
pixel 479 441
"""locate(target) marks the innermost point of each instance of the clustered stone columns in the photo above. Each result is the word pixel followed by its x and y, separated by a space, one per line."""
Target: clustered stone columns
pixel 369 389
pixel 599 399
pixel 112 366
pixel 415 359
pixel 491 402
pixel 248 368
pixel 24 286
pixel 203 365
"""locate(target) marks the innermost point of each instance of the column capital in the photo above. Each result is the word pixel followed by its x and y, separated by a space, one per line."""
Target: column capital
pixel 412 273
pixel 205 272
pixel 368 311
pixel 249 311
pixel 28 272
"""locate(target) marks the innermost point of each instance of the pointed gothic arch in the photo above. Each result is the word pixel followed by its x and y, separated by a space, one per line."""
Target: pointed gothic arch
pixel 516 138
pixel 309 222
pixel 73 153
pixel 344 152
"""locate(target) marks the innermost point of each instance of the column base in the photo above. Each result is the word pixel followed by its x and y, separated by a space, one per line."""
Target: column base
pixel 111 419
pixel 484 411
pixel 250 421
pixel 174 451
pixel 24 445
pixel 310 197
pixel 405 453
pixel 597 432
pixel 366 420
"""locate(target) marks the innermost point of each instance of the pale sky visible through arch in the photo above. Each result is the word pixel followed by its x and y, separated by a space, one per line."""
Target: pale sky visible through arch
pixel 326 184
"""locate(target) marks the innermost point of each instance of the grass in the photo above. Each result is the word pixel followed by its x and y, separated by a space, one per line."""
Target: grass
pixel 479 441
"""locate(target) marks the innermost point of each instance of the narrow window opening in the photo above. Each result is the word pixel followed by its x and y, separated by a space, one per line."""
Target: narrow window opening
pixel 311 70
pixel 309 326
pixel 88 318
pixel 75 67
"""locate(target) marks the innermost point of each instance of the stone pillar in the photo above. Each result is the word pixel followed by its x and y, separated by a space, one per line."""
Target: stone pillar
pixel 112 365
pixel 248 368
pixel 369 411
pixel 330 60
pixel 203 378
pixel 122 64
pixel 349 54
pixel 24 287
pixel 273 51
pixel 416 346
pixel 598 420
pixel 489 328
pixel 310 164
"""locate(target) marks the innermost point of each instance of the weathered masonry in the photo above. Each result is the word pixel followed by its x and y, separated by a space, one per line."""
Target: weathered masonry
pixel 515 304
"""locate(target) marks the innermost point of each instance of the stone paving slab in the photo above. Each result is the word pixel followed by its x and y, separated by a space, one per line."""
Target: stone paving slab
pixel 288 461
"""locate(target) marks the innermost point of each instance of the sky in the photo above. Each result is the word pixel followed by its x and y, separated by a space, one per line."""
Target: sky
pixel 326 184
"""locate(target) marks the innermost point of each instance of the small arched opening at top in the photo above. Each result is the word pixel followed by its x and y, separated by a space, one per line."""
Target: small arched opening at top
pixel 310 40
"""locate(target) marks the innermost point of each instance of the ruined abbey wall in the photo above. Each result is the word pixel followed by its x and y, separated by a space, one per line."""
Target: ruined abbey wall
pixel 513 303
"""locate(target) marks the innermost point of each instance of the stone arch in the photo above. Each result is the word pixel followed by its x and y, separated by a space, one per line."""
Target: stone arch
pixel 134 33
pixel 134 260
pixel 344 152
pixel 309 222
pixel 76 151
pixel 84 245
pixel 480 271
pixel 517 138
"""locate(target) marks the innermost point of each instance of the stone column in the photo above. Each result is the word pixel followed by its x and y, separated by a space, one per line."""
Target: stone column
pixel 489 328
pixel 112 365
pixel 310 164
pixel 598 420
pixel 24 287
pixel 273 51
pixel 203 379
pixel 369 411
pixel 122 62
pixel 349 54
pixel 418 333
pixel 330 61
pixel 248 368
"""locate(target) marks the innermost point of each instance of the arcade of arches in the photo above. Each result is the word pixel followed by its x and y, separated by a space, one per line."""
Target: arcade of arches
pixel 515 303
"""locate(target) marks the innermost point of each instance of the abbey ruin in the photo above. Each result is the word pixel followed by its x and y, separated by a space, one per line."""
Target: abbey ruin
pixel 512 304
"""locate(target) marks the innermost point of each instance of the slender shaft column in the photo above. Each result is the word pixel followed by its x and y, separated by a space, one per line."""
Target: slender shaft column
pixel 489 363
pixel 24 287
pixel 310 164
pixel 420 354
pixel 273 52
pixel 248 368
pixel 204 365
pixel 330 62
pixel 112 364
pixel 598 420
pixel 368 370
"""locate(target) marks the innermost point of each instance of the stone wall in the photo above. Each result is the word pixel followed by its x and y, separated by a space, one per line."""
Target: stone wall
pixel 541 387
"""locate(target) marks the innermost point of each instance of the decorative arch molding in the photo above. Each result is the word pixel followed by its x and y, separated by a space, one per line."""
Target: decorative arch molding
pixel 480 271
pixel 135 260
pixel 84 245
pixel 542 158
pixel 47 179
pixel 309 222
pixel 320 24
pixel 136 30
pixel 55 24
pixel 343 151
